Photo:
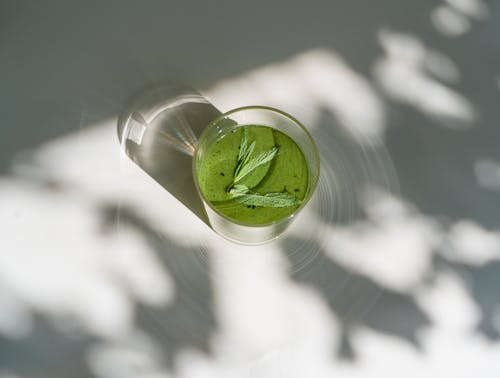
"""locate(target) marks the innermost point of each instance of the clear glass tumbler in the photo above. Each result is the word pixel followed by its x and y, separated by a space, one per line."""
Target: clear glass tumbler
pixel 264 116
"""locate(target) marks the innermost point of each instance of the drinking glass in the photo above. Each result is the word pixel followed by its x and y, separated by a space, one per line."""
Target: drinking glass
pixel 234 230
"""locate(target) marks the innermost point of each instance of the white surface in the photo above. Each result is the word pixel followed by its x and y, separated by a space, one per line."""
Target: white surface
pixel 63 262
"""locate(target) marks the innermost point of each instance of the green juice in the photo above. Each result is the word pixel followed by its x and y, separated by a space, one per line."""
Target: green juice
pixel 287 173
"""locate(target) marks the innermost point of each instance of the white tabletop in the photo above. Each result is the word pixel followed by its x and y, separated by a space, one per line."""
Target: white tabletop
pixel 391 270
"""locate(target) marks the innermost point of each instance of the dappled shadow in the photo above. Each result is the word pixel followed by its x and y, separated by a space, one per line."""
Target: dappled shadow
pixel 436 167
pixel 61 345
pixel 357 301
pixel 62 76
pixel 47 351
pixel 482 283
pixel 188 320
pixel 435 179
pixel 485 291
pixel 434 155
pixel 350 164
pixel 436 172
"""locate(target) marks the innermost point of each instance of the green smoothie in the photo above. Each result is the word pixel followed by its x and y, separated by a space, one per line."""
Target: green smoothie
pixel 254 175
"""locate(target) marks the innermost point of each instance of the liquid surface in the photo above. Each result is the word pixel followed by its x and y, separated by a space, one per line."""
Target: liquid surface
pixel 286 173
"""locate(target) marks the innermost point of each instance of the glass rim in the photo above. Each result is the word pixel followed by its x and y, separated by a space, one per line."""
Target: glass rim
pixel 310 191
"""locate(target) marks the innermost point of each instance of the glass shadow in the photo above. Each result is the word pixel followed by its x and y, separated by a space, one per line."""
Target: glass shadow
pixel 158 130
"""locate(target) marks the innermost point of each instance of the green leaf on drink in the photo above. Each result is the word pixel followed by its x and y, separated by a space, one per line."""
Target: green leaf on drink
pixel 244 154
pixel 250 164
pixel 268 200
pixel 243 146
pixel 238 190
pixel 244 166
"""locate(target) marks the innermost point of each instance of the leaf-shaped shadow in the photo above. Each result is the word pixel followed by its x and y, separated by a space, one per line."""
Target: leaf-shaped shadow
pixel 45 352
pixel 189 319
pixel 486 291
pixel 483 284
pixel 357 300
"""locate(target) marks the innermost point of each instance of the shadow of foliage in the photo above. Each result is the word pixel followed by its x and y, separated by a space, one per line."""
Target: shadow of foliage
pixel 357 300
pixel 47 351
pixel 189 320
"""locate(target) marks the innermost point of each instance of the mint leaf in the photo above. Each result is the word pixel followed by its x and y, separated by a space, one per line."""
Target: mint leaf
pixel 243 146
pixel 244 154
pixel 245 165
pixel 249 165
pixel 268 200
pixel 238 190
